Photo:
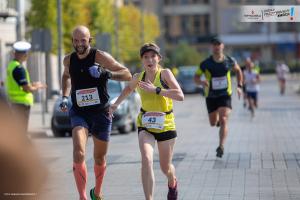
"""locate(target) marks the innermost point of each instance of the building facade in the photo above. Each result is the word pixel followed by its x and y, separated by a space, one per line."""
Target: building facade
pixel 266 42
pixel 8 25
pixel 196 21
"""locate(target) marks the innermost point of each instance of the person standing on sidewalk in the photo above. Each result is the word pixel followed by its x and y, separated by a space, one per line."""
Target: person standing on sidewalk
pixel 157 88
pixel 251 80
pixel 86 72
pixel 218 89
pixel 18 86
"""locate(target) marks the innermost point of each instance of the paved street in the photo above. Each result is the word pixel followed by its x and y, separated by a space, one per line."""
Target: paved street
pixel 261 160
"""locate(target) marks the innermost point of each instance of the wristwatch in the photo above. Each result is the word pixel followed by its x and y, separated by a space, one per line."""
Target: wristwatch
pixel 157 90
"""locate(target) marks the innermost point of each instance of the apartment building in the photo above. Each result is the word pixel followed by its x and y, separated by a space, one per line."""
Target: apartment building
pixel 195 21
pixel 262 41
pixel 188 20
pixel 8 25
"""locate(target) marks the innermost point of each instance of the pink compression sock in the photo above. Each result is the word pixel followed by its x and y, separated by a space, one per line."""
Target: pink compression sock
pixel 99 175
pixel 80 174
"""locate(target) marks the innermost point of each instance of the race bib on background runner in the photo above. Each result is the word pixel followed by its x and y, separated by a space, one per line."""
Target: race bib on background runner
pixel 154 120
pixel 87 97
pixel 219 83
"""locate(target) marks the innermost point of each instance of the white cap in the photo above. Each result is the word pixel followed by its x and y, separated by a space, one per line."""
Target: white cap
pixel 21 46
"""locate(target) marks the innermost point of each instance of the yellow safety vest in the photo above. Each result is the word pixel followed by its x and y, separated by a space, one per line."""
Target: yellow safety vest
pixel 15 92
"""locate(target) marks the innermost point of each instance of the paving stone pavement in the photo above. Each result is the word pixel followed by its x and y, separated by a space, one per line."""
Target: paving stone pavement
pixel 261 160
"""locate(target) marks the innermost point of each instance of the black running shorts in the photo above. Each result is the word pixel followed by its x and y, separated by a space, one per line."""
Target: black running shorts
pixel 213 104
pixel 160 136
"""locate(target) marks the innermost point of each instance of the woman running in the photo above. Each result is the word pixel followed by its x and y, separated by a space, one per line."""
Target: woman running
pixel 157 88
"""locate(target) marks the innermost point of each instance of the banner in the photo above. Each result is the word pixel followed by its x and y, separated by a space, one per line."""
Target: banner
pixel 265 13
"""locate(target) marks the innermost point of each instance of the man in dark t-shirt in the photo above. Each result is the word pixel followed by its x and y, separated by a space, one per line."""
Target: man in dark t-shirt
pixel 218 89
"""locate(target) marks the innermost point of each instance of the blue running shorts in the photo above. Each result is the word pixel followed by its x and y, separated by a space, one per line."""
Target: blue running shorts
pixel 98 124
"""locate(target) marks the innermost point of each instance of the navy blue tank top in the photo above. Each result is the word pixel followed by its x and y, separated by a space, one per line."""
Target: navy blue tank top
pixel 88 94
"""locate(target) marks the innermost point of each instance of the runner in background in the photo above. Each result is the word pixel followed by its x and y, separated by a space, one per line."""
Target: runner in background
pixel 252 80
pixel 218 89
pixel 282 71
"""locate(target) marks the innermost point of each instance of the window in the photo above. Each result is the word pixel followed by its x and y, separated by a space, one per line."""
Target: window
pixel 167 2
pixel 286 27
pixel 203 25
pixel 252 2
pixel 184 2
pixel 207 24
pixel 184 24
pixel 114 87
pixel 235 1
pixel 196 24
pixel 199 1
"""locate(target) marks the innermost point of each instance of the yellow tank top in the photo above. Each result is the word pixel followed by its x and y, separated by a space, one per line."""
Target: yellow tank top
pixel 151 102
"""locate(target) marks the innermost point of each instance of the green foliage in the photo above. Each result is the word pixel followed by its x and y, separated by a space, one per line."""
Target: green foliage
pixel 183 54
pixel 100 16
pixel 129 33
pixel 132 35
pixel 73 14
pixel 151 27
pixel 43 15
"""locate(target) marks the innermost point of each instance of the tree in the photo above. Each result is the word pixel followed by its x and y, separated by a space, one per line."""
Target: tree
pixel 184 54
pixel 151 27
pixel 42 15
pixel 130 32
pixel 100 16
pixel 102 19
pixel 73 14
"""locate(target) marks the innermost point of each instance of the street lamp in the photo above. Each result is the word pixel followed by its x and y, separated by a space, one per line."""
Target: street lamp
pixel 142 21
pixel 296 39
pixel 59 38
pixel 116 16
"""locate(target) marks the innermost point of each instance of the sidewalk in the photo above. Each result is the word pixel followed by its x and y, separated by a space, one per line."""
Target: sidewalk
pixel 262 156
pixel 261 160
pixel 40 122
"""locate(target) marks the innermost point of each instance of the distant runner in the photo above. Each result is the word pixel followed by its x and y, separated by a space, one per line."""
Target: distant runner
pixel 218 89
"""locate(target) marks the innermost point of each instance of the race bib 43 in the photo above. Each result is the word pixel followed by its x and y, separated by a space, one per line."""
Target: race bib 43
pixel 154 120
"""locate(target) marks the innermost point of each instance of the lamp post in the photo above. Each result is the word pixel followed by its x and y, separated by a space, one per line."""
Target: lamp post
pixel 116 16
pixel 296 40
pixel 59 38
pixel 20 19
pixel 142 22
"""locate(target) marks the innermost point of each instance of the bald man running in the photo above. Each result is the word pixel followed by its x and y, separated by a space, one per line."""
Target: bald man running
pixel 89 70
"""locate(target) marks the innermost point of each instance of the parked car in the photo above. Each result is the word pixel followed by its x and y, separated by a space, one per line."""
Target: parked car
pixel 124 119
pixel 185 78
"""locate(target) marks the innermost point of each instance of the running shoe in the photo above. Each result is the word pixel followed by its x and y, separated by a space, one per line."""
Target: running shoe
pixel 173 192
pixel 93 196
pixel 220 151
